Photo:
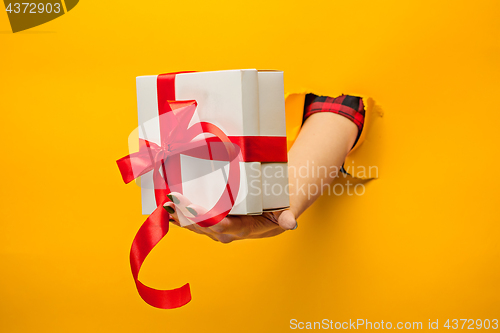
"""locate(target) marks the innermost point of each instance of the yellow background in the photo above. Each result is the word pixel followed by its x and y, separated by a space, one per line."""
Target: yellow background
pixel 421 244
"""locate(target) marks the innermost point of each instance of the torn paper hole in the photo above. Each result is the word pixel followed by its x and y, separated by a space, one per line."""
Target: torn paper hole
pixel 363 160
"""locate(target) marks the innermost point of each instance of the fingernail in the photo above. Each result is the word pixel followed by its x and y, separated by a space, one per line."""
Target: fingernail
pixel 296 225
pixel 192 211
pixel 169 209
pixel 173 199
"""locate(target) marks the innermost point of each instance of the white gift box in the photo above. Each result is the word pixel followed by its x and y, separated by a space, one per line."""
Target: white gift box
pixel 241 103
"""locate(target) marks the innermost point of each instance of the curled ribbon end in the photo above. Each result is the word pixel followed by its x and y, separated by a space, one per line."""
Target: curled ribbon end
pixel 165 299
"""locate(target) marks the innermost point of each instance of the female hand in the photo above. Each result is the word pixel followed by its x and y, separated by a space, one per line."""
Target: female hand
pixel 233 227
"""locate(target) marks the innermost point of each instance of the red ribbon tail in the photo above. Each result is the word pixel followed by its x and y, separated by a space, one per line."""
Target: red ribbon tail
pixel 151 232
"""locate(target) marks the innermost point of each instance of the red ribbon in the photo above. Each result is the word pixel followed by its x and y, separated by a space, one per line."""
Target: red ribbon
pixel 177 138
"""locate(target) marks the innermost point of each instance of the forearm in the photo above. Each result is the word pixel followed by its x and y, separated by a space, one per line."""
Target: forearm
pixel 320 149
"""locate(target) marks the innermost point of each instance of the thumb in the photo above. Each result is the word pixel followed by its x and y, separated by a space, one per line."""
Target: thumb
pixel 287 221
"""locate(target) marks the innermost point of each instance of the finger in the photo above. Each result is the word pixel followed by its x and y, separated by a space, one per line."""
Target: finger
pixel 246 226
pixel 202 230
pixel 263 223
pixel 226 238
pixel 196 210
pixel 186 210
pixel 287 220
pixel 180 202
pixel 170 208
pixel 209 233
pixel 232 225
pixel 212 237
pixel 178 199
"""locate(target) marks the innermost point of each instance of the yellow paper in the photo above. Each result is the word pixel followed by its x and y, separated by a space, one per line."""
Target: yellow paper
pixel 420 245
